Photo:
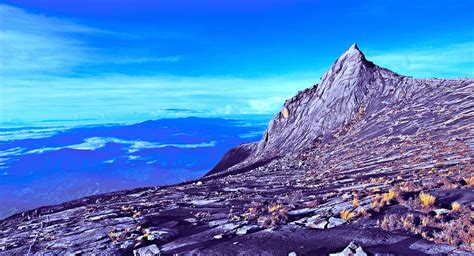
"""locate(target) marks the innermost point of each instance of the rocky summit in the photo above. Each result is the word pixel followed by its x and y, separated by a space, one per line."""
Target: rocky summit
pixel 367 162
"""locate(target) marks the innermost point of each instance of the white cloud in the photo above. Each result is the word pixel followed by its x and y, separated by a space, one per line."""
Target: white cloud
pixel 32 42
pixel 11 152
pixel 29 133
pixel 95 143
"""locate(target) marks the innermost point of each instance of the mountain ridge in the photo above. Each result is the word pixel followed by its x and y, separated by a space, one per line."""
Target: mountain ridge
pixel 352 86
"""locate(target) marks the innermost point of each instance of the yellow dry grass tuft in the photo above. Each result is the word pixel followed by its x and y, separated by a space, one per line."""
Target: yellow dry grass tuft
pixel 407 222
pixel 426 199
pixel 470 181
pixel 347 215
pixel 275 208
pixel 389 196
pixel 455 206
pixel 355 202
pixel 376 203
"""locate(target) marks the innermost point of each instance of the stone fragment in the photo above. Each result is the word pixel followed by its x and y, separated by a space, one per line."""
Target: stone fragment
pixel 202 202
pixel 299 212
pixel 321 224
pixel 351 250
pixel 247 229
pixel 333 222
pixel 441 211
pixel 150 250
pixel 218 222
pixel 127 245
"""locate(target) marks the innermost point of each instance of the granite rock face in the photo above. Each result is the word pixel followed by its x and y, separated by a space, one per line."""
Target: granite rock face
pixel 316 113
pixel 343 162
pixel 354 90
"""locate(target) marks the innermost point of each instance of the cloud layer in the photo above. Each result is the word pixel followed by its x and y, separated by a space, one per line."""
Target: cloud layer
pixel 95 143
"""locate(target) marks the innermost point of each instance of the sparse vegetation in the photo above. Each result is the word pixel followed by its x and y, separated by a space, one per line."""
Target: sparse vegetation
pixel 388 197
pixel 347 215
pixel 426 199
pixel 407 222
pixel 455 206
pixel 389 222
pixel 277 215
pixel 273 215
pixel 454 228
pixel 376 203
pixel 457 232
pixel 469 181
pixel 355 202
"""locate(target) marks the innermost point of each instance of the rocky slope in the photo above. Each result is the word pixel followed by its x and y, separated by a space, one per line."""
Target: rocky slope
pixel 366 156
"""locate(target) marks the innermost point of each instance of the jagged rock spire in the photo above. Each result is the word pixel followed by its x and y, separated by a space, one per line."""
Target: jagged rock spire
pixel 351 61
pixel 316 113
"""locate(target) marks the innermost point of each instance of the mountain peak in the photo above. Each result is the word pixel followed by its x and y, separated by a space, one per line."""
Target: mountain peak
pixel 354 54
pixel 354 50
pixel 317 113
pixel 348 65
pixel 354 46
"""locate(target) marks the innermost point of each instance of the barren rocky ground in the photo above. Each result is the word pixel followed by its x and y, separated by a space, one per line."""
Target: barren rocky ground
pixel 367 156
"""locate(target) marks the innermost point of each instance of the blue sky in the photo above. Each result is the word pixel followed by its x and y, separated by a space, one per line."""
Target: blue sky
pixel 121 61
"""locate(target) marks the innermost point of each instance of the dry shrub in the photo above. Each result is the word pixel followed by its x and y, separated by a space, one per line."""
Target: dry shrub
pixel 253 211
pixel 426 199
pixel 456 232
pixel 469 181
pixel 376 203
pixel 277 214
pixel 389 222
pixel 389 196
pixel 455 207
pixel 409 186
pixel 355 202
pixel 347 215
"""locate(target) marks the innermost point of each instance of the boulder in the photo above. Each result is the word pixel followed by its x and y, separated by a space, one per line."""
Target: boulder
pixel 351 250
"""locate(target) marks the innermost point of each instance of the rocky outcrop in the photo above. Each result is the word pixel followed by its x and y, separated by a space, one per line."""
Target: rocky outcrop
pixel 316 113
pixel 235 156
pixel 352 90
